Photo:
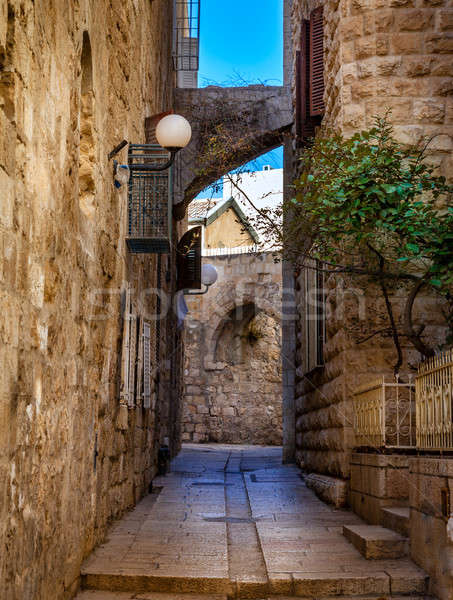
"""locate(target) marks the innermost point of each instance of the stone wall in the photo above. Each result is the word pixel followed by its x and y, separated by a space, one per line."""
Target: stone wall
pixel 76 78
pixel 379 55
pixel 431 527
pixel 233 370
pixel 378 480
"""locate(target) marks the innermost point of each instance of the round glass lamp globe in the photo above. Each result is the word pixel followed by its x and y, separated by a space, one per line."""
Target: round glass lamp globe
pixel 173 131
pixel 208 274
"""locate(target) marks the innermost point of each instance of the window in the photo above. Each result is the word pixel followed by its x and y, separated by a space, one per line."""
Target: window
pixel 186 42
pixel 310 76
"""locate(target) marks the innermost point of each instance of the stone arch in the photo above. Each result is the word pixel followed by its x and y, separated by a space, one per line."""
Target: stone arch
pixel 254 120
pixel 241 310
pixel 87 186
pixel 240 332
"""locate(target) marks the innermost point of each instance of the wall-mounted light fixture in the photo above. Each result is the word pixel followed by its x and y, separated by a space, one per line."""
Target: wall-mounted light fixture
pixel 173 133
pixel 149 189
pixel 209 276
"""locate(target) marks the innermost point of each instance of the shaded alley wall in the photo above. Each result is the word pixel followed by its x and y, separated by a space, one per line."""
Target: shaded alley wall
pixel 232 370
pixel 76 78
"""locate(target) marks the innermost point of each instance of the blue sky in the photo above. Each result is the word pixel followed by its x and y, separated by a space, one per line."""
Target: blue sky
pixel 236 44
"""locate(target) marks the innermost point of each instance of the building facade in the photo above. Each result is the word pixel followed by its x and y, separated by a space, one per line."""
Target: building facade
pixel 375 57
pixel 232 374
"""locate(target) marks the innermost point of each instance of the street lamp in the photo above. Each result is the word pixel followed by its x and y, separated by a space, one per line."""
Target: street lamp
pixel 149 200
pixel 209 276
pixel 173 133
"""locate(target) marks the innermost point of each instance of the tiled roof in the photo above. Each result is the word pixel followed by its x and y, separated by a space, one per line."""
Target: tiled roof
pixel 198 209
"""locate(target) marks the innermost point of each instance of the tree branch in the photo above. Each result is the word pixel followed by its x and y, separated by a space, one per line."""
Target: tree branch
pixel 414 336
pixel 388 305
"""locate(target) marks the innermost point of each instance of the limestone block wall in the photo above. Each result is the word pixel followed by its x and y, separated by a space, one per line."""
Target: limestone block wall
pixel 76 77
pixel 431 527
pixel 388 54
pixel 379 55
pixel 378 480
pixel 232 364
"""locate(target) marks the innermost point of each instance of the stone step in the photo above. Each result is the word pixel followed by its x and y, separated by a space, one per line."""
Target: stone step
pixel 370 597
pixel 139 581
pixel 396 518
pixel 102 595
pixel 374 541
pixel 105 595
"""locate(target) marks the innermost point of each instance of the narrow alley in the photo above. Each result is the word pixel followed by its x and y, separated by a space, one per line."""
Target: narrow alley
pixel 232 521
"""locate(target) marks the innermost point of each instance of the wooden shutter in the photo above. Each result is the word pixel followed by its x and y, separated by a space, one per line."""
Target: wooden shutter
pixel 314 316
pixel 316 63
pixel 124 387
pixel 305 122
pixel 146 365
pixel 189 260
pixel 132 358
pixel 139 363
pixel 129 352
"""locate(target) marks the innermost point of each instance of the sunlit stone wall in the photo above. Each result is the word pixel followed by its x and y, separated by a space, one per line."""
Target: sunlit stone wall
pixel 71 459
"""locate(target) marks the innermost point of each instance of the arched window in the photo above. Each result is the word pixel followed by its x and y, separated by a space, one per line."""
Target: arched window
pixel 87 186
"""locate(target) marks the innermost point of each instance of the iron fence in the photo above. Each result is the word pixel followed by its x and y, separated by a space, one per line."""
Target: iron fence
pixel 434 402
pixel 384 414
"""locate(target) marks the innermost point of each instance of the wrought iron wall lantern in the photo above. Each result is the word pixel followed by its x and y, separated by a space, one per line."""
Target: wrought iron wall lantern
pixel 149 185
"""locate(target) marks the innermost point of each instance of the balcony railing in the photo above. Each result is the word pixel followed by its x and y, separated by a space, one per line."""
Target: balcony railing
pixel 434 402
pixel 384 414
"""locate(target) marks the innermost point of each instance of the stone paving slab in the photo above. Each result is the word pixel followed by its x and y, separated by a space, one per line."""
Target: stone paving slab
pixel 308 543
pixel 234 520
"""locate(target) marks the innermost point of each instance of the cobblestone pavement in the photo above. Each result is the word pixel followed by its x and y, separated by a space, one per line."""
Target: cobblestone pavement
pixel 232 520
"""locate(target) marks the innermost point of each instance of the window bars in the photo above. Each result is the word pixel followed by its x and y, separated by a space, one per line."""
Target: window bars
pixel 149 201
pixel 186 41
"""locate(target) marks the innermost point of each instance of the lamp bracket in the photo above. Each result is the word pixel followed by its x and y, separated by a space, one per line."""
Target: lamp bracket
pixel 158 166
pixel 117 149
pixel 192 293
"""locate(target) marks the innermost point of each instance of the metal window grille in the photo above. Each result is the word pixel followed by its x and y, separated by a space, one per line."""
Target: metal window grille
pixel 149 202
pixel 186 35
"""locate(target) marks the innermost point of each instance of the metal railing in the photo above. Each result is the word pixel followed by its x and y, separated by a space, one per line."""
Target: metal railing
pixel 434 403
pixel 229 251
pixel 384 414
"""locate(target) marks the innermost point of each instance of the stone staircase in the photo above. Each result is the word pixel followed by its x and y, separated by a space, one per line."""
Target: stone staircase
pixel 396 518
pixel 391 540
pixel 102 595
pixel 375 542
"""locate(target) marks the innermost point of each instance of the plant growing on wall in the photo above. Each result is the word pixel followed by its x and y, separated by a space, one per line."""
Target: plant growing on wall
pixel 374 208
